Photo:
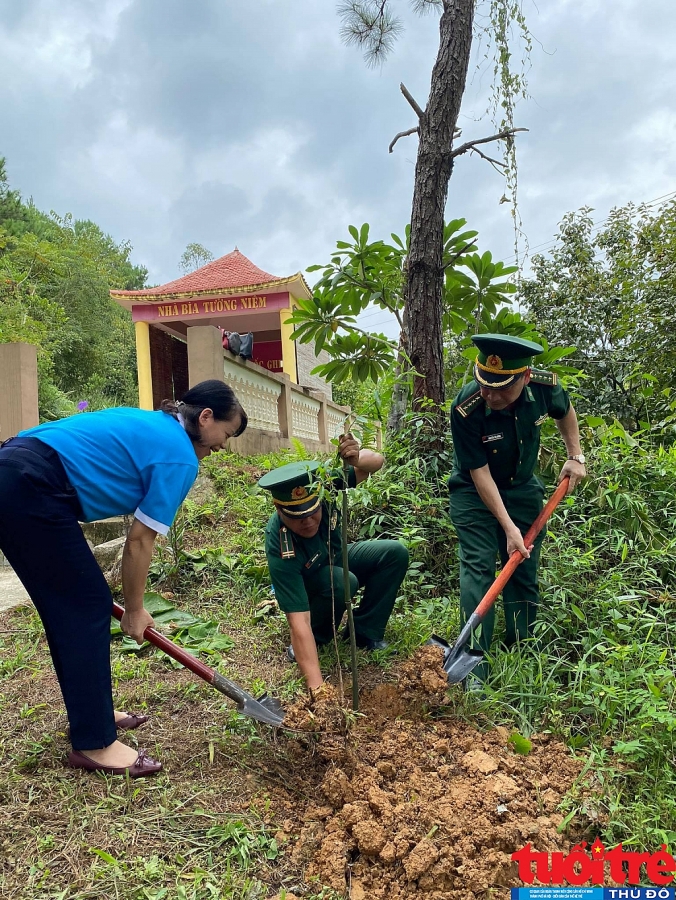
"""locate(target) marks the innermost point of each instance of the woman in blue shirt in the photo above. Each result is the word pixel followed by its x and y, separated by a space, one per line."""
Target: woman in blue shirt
pixel 92 466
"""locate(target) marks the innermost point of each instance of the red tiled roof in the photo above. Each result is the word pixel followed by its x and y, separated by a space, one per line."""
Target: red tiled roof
pixel 233 270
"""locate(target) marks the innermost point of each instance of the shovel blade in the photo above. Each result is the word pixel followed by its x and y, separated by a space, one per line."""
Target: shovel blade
pixel 266 710
pixel 460 663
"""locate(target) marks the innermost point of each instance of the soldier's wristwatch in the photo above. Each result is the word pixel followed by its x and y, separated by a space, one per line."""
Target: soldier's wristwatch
pixel 580 457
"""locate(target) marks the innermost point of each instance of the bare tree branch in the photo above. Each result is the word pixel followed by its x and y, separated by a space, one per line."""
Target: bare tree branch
pixel 493 162
pixel 401 135
pixel 470 145
pixel 405 91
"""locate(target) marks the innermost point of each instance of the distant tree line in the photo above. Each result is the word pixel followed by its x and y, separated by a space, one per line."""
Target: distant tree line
pixel 55 275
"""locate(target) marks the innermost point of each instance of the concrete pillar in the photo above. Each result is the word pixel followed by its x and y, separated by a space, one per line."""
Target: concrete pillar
pixel 284 409
pixel 18 388
pixel 205 354
pixel 289 365
pixel 145 377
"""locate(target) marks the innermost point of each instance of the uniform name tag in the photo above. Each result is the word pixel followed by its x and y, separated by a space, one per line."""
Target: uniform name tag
pixel 487 438
pixel 541 419
pixel 310 562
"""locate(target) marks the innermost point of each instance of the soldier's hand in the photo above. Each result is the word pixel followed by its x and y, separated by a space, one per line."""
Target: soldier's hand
pixel 515 542
pixel 575 471
pixel 348 449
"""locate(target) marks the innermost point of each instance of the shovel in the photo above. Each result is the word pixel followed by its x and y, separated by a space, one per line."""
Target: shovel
pixel 459 662
pixel 265 709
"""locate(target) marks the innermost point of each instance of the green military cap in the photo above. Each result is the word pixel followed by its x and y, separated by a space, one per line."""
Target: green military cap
pixel 294 491
pixel 502 359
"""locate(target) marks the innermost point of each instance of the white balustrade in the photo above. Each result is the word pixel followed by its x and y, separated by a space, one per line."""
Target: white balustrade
pixel 305 416
pixel 257 394
pixel 335 422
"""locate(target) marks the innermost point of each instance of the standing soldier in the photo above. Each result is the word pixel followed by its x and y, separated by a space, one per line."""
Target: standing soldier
pixel 495 497
pixel 303 543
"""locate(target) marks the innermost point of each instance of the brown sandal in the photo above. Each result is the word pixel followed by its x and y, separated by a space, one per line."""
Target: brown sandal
pixel 127 724
pixel 130 722
pixel 142 766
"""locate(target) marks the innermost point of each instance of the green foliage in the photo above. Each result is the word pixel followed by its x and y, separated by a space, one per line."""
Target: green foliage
pixel 194 256
pixel 360 274
pixel 185 629
pixel 520 744
pixel 365 275
pixel 13 214
pixel 408 501
pixel 55 275
pixel 473 297
pixel 243 844
pixel 599 672
pixel 605 292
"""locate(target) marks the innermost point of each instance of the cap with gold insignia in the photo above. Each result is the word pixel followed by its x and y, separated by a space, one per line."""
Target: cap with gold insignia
pixel 294 491
pixel 502 359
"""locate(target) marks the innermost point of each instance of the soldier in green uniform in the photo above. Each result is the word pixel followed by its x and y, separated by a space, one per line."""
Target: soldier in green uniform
pixel 495 497
pixel 303 534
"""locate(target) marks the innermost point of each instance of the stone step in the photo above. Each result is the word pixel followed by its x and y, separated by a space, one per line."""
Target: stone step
pixel 104 530
pixel 106 554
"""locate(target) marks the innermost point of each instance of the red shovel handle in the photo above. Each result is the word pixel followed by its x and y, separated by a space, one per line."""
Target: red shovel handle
pixel 170 648
pixel 516 558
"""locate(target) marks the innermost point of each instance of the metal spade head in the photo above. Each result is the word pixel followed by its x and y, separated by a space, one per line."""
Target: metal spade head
pixel 272 705
pixel 458 662
pixel 266 709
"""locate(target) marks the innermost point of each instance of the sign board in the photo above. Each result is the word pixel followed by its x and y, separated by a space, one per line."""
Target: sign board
pixel 180 310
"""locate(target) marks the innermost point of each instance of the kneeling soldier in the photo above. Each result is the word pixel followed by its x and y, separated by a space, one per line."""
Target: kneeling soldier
pixel 301 539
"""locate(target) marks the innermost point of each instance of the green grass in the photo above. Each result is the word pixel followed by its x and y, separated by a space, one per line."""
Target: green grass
pixel 599 673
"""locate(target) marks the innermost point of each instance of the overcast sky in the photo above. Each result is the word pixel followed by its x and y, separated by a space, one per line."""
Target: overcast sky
pixel 251 124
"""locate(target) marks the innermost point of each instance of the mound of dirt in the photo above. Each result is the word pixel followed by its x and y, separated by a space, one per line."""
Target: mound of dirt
pixel 413 805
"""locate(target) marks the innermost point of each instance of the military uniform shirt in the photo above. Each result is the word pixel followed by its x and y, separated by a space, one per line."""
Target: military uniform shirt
pixel 309 554
pixel 508 441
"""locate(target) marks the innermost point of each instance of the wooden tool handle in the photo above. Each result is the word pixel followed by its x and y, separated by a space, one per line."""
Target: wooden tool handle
pixel 517 558
pixel 169 647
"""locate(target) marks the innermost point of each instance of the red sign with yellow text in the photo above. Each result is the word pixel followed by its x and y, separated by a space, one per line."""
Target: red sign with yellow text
pixel 268 354
pixel 208 307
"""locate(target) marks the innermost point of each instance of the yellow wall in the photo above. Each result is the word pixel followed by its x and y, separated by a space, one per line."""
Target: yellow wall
pixel 145 379
pixel 288 347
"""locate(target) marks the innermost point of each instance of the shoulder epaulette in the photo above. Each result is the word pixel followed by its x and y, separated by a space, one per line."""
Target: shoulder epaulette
pixel 540 376
pixel 469 405
pixel 286 548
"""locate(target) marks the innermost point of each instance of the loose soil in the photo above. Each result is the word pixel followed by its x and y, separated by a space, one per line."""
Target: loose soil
pixel 402 800
pixel 411 803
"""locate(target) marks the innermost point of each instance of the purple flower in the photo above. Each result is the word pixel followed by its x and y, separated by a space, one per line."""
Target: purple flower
pixel 82 405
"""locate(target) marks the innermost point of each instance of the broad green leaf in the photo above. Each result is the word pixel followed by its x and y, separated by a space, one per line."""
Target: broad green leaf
pixel 521 745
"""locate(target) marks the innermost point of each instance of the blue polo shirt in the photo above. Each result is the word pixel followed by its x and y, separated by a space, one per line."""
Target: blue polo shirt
pixel 122 461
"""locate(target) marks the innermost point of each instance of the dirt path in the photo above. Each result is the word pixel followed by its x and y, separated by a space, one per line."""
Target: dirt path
pixel 12 592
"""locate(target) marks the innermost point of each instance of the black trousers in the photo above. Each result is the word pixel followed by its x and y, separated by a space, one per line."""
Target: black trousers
pixel 41 537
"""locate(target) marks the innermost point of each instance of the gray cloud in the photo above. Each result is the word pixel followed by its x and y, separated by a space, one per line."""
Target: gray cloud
pixel 168 121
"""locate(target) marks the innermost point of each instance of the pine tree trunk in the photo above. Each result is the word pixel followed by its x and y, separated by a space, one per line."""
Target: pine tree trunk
pixel 400 391
pixel 425 282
